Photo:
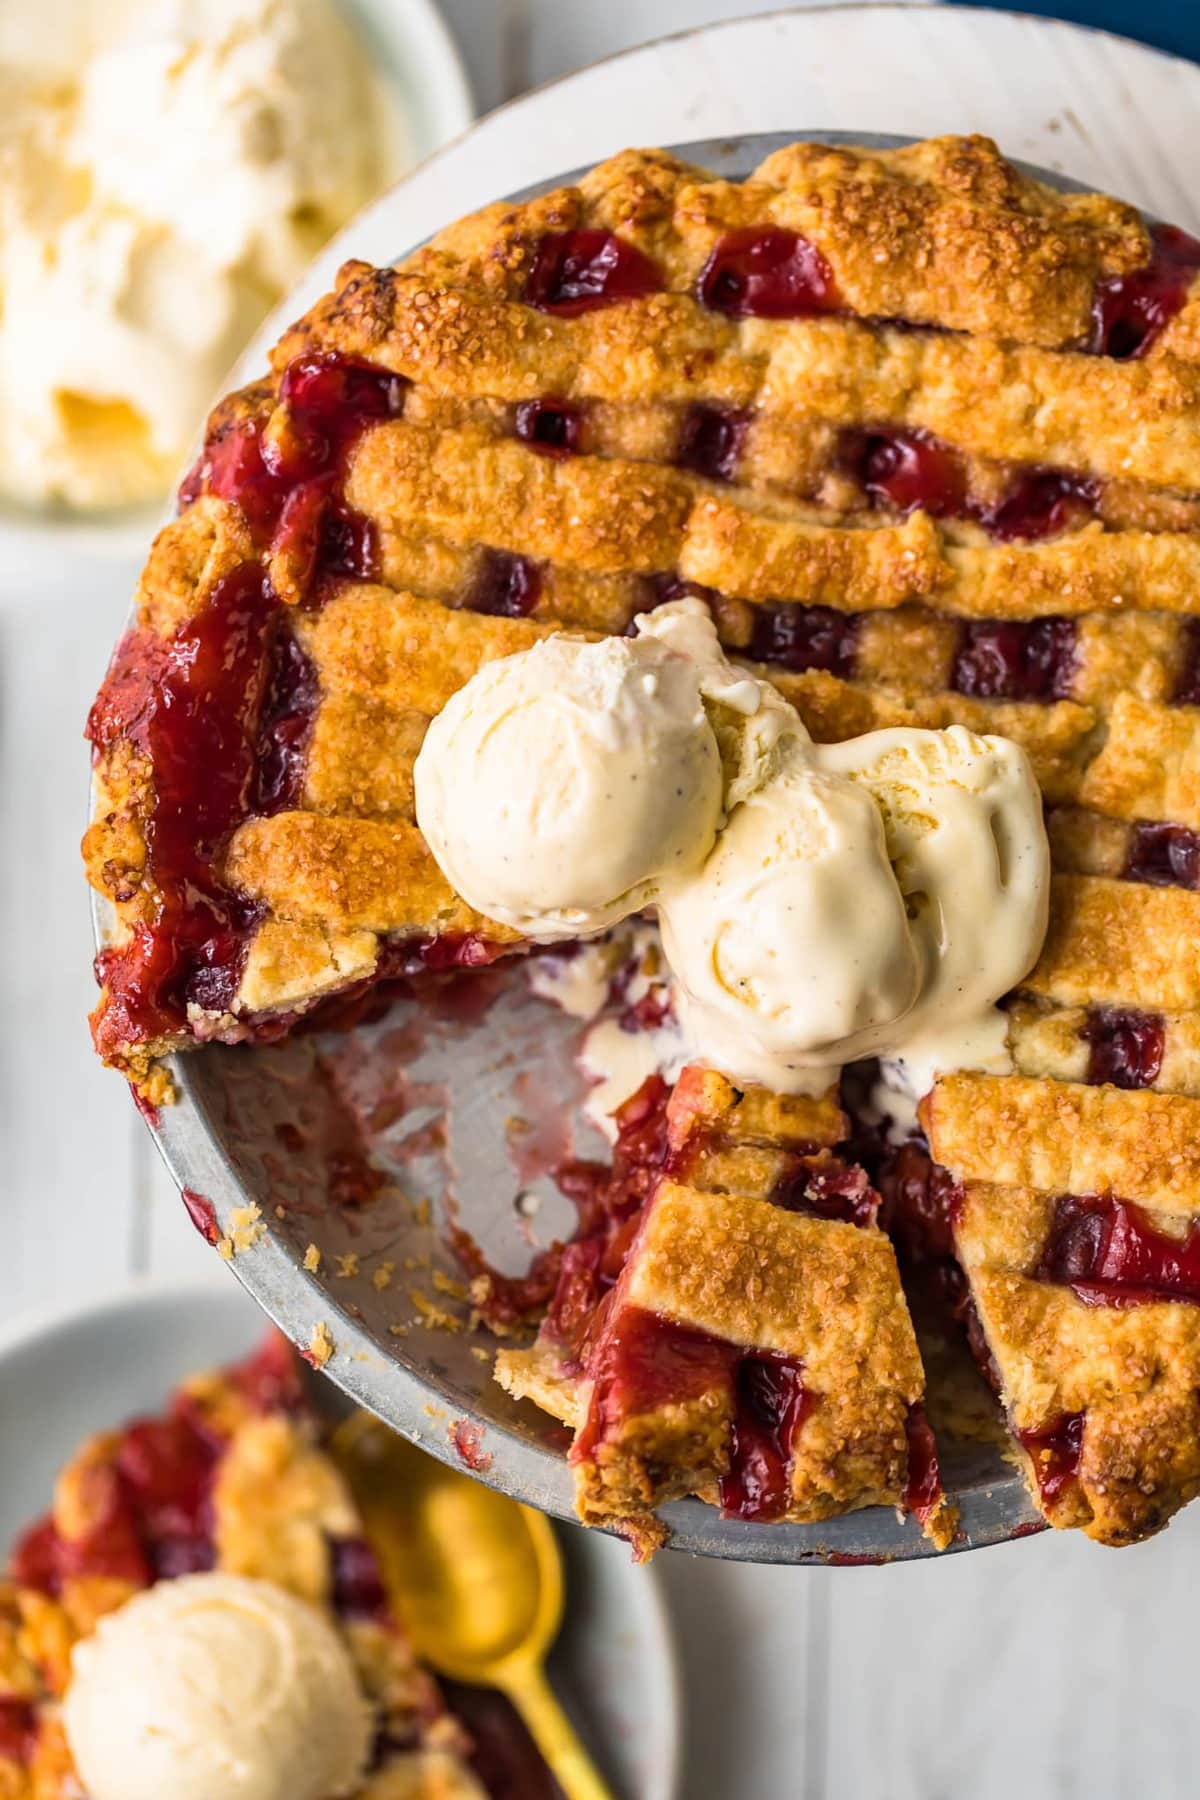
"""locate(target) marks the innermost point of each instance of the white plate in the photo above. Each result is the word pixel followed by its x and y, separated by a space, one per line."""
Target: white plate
pixel 65 1377
pixel 421 79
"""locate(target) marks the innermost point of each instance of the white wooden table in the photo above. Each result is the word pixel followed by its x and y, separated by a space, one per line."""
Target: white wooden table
pixel 1047 1668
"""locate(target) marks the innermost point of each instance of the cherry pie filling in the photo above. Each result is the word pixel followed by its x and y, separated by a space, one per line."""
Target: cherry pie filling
pixel 1110 1253
pixel 1125 1046
pixel 18 1731
pixel 1163 856
pixel 637 1362
pixel 1130 311
pixel 1055 1453
pixel 550 425
pixel 767 272
pixel 577 271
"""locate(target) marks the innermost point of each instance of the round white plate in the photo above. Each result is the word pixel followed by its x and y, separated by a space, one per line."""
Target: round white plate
pixel 64 1377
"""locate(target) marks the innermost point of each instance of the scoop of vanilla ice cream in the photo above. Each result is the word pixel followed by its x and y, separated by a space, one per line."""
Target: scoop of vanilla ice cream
pixel 245 128
pixel 562 788
pixel 965 833
pixel 792 946
pixel 153 205
pixel 216 1685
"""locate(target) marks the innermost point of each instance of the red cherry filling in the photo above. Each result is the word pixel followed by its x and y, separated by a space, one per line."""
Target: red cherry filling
pixel 921 1203
pixel 190 704
pixel 289 483
pixel 1187 686
pixel 288 711
pixel 711 440
pixel 1163 856
pixel 923 1494
pixel 570 1281
pixel 356 1584
pixel 906 470
pixel 1110 1254
pixel 639 1362
pixel 1015 660
pixel 1055 1451
pixel 150 1503
pixel 575 271
pixel 767 273
pixel 504 586
pixel 18 1730
pixel 1126 1046
pixel 805 637
pixel 203 1215
pixel 827 1189
pixel 552 426
pixel 1129 311
pixel 771 1403
pixel 1040 503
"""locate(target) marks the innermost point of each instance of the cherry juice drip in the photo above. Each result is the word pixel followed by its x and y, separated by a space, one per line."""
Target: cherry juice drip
pixel 923 1491
pixel 222 709
pixel 189 703
pixel 288 482
pixel 771 1404
pixel 1056 1452
pixel 1110 1254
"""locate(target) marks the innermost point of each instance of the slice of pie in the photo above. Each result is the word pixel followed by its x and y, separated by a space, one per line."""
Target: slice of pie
pixel 232 1477
pixel 925 435
pixel 756 1349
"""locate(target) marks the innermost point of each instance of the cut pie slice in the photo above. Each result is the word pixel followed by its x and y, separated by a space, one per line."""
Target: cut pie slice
pixel 231 1477
pixel 1062 1222
pixel 756 1349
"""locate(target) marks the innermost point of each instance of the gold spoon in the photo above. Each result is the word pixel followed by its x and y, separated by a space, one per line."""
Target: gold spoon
pixel 475 1578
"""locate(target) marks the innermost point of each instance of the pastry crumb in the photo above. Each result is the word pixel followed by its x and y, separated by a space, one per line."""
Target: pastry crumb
pixel 312 1259
pixel 245 1230
pixel 381 1278
pixel 347 1265
pixel 320 1346
pixel 432 1314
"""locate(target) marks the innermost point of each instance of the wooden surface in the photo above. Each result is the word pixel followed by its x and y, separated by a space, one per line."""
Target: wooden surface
pixel 1047 1668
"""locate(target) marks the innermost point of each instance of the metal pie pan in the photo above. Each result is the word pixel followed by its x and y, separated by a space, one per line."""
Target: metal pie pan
pixel 253 1126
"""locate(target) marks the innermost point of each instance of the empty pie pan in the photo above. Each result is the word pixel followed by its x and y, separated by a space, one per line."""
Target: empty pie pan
pixel 253 1131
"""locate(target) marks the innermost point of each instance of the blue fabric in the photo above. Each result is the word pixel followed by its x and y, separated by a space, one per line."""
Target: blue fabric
pixel 1168 24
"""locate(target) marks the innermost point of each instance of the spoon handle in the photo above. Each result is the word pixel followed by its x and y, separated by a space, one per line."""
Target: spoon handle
pixel 554 1735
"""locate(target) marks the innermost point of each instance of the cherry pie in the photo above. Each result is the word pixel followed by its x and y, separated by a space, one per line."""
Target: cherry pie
pixel 926 437
pixel 232 1476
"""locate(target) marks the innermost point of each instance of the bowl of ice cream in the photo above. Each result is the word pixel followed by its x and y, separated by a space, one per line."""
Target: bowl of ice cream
pixel 168 174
